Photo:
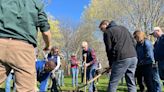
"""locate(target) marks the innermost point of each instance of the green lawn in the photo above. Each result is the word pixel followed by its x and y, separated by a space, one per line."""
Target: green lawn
pixel 101 87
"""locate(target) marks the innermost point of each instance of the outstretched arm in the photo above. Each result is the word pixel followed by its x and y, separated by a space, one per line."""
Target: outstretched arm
pixel 47 39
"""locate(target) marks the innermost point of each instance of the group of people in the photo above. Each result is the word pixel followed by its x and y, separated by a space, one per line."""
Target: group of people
pixel 19 23
pixel 89 61
pixel 134 56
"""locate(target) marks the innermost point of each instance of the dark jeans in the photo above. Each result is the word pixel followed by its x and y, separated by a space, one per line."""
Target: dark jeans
pixel 82 77
pixel 140 79
pixel 120 68
pixel 97 72
pixel 54 86
pixel 145 73
pixel 161 69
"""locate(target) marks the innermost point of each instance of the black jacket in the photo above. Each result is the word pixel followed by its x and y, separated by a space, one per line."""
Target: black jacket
pixel 119 43
pixel 91 56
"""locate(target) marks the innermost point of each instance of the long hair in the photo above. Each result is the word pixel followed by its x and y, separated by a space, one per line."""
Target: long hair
pixel 52 52
pixel 139 35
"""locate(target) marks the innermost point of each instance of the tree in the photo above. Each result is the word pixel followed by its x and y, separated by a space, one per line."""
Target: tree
pixel 67 30
pixel 98 10
pixel 135 14
pixel 56 33
pixel 144 14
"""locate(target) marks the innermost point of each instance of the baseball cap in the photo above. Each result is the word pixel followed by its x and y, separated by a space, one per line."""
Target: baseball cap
pixel 73 54
pixel 155 29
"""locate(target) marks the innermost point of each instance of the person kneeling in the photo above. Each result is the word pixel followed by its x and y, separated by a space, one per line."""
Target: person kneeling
pixel 43 69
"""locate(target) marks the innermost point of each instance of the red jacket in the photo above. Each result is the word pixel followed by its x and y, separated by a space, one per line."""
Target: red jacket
pixel 74 62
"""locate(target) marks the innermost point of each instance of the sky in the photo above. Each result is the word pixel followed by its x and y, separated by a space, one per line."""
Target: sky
pixel 67 9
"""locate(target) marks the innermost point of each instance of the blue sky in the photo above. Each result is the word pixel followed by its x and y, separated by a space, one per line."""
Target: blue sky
pixel 67 9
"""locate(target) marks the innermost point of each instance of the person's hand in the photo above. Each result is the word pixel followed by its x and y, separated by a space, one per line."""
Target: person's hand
pixel 87 64
pixel 45 53
pixel 47 48
pixel 53 74
pixel 108 69
pixel 154 65
pixel 78 63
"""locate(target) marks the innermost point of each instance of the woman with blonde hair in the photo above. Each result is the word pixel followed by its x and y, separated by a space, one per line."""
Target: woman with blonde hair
pixel 145 54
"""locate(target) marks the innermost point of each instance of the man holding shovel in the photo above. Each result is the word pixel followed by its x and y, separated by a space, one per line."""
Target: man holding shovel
pixel 121 53
pixel 89 57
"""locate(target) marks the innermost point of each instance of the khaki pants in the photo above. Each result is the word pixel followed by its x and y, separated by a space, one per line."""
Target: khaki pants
pixel 19 56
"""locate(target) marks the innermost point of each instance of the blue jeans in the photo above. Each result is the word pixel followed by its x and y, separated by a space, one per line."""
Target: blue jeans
pixel 156 80
pixel 44 82
pixel 60 77
pixel 42 77
pixel 75 72
pixel 119 68
pixel 8 81
pixel 90 75
pixel 161 69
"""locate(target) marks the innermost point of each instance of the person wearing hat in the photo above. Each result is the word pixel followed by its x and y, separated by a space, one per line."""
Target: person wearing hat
pixel 74 69
pixel 159 50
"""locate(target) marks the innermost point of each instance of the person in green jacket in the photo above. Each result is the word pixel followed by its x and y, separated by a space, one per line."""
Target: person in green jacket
pixel 19 23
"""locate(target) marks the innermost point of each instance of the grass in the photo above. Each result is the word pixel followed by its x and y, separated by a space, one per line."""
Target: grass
pixel 101 87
